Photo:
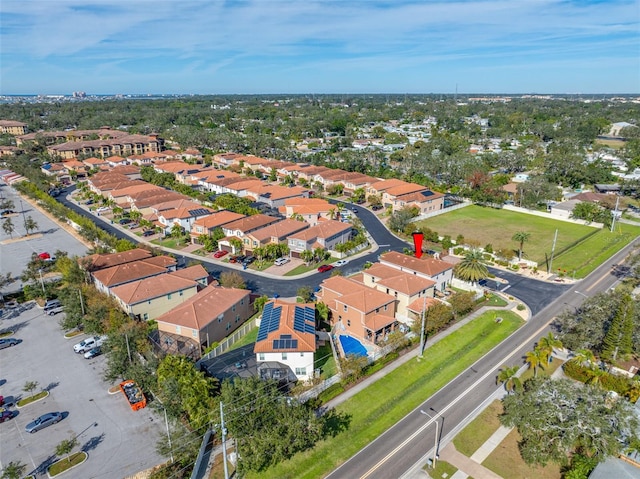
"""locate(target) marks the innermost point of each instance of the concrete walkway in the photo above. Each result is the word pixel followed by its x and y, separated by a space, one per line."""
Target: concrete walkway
pixel 466 466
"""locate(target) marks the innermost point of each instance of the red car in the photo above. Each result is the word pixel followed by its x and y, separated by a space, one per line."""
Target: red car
pixel 44 255
pixel 5 416
pixel 220 254
pixel 325 267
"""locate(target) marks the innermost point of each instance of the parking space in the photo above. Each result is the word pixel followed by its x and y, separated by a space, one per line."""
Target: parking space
pixel 16 249
pixel 119 441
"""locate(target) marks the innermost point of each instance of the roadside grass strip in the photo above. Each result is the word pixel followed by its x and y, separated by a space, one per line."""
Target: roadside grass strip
pixel 479 430
pixel 385 402
pixel 587 255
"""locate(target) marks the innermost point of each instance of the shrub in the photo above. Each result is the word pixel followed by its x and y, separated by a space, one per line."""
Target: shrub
pixel 515 267
pixel 332 391
pixel 521 307
pixel 458 251
pixel 488 248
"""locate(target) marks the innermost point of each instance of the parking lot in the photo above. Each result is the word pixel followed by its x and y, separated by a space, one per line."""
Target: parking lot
pixel 16 249
pixel 119 441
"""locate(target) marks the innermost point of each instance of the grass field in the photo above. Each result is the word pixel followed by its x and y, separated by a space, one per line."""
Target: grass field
pixel 579 248
pixel 389 399
pixel 479 430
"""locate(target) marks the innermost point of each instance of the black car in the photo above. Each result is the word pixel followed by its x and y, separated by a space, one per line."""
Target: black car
pixel 248 260
pixel 237 259
pixel 148 233
pixel 377 207
pixel 124 221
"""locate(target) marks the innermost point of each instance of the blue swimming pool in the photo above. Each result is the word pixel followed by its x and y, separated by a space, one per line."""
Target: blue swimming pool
pixel 352 346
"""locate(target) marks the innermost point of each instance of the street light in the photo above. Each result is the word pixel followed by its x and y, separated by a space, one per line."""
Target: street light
pixel 435 442
pixel 42 281
pixel 166 423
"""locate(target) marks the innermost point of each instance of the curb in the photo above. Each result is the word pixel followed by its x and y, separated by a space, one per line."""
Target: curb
pixel 86 456
pixel 32 402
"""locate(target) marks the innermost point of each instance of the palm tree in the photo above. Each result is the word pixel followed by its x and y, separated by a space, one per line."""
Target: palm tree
pixel 522 237
pixel 548 343
pixel 8 227
pixel 508 377
pixel 596 376
pixel 30 224
pixel 536 358
pixel 584 356
pixel 472 267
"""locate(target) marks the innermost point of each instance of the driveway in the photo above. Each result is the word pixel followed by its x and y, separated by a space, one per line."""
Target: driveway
pixel 119 441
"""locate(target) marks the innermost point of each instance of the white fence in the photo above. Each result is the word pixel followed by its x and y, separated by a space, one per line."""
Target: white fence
pixel 237 335
pixel 442 211
pixel 545 214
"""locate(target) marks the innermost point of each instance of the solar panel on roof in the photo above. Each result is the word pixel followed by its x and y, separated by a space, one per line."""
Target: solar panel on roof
pixel 263 332
pixel 199 212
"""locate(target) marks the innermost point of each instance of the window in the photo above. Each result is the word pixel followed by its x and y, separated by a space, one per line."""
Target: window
pixel 178 329
pixel 181 293
pixel 348 322
pixel 301 371
pixel 228 326
pixel 302 355
pixel 344 308
pixel 242 302
pixel 194 333
pixel 233 308
pixel 169 296
pixel 260 356
pixel 237 318
pixel 284 356
pixel 385 307
pixel 145 316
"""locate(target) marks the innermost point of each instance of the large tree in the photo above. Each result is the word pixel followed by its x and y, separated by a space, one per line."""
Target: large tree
pixel 472 268
pixel 557 418
pixel 521 237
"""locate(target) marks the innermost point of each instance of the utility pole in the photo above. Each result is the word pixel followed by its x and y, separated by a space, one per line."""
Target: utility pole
pixel 553 248
pixel 615 214
pixel 81 301
pixel 424 314
pixel 224 443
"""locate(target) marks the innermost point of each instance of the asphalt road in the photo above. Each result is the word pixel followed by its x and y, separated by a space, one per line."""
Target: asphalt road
pixel 403 449
pixel 536 294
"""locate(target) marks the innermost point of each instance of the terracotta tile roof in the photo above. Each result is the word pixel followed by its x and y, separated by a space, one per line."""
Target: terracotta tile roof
pixel 280 230
pixel 195 272
pixel 150 288
pixel 397 280
pixel 93 161
pixel 420 196
pixel 174 166
pixel 115 159
pixel 511 188
pixel 273 192
pixel 137 188
pixel 299 201
pixel 417 305
pixel 154 197
pixel 184 213
pixel 204 307
pixel 378 321
pixel 326 229
pixel 213 175
pixel 306 341
pixel 164 261
pixel 216 219
pixel 591 197
pixel 245 185
pixel 384 185
pixel 127 272
pixel 175 204
pixel 107 260
pixel 128 169
pixel 426 265
pixel 356 295
pixel 404 189
pixel 250 223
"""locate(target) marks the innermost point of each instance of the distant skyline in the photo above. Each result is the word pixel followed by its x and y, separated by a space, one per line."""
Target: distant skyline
pixel 319 46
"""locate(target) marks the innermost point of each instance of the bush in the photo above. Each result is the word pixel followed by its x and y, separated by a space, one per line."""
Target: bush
pixel 488 248
pixel 332 391
pixel 458 251
pixel 515 267
pixel 521 307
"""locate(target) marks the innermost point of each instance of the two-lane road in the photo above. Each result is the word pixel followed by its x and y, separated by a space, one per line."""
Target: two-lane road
pixel 403 449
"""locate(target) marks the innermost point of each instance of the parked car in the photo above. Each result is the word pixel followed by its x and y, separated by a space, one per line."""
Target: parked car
pixel 8 342
pixel 103 209
pixel 51 304
pixel 220 253
pixel 148 233
pixel 6 416
pixel 340 262
pixel 43 421
pixel 56 310
pixel 7 212
pixel 237 259
pixel 93 352
pixel 248 260
pixel 325 267
pixel 124 221
pixel 354 209
pixel 44 255
pixel 377 207
pixel 281 261
pixel 89 343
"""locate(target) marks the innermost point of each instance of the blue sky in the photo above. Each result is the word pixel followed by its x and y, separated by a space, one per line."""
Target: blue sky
pixel 319 46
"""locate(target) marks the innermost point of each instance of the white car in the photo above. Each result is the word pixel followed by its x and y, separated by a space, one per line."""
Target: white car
pixel 281 261
pixel 89 343
pixel 341 262
pixel 102 209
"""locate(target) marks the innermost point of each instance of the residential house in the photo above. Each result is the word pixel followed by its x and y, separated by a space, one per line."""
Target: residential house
pixel 209 316
pixel 185 216
pixel 205 226
pixel 225 160
pixel 122 196
pixel 426 201
pixel 309 209
pixel 287 335
pixel 145 201
pixel 151 297
pixel 427 266
pixel 358 310
pixel 390 195
pixel 243 226
pixel 403 286
pixel 326 234
pixel 99 261
pixel 274 233
pixel 116 161
pixel 244 188
pixel 123 145
pixel 379 187
pixel 107 278
pixel 209 180
pixel 276 196
pixel 95 163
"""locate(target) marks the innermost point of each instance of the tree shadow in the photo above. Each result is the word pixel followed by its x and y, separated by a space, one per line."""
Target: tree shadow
pixel 51 386
pixel 41 469
pixel 333 423
pixel 49 231
pixel 92 443
pixel 15 327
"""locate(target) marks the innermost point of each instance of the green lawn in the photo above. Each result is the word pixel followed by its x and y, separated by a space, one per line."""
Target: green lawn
pixel 479 430
pixel 579 248
pixel 249 338
pixel 324 361
pixel 594 250
pixel 169 242
pixel 389 399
